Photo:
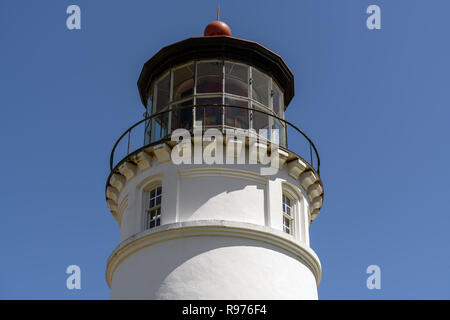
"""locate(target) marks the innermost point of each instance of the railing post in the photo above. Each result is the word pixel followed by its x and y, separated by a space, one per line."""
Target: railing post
pixel 149 123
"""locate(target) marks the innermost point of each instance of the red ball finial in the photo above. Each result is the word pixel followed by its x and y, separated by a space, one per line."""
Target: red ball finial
pixel 217 28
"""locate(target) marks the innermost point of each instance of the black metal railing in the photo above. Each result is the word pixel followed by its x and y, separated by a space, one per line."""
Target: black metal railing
pixel 159 126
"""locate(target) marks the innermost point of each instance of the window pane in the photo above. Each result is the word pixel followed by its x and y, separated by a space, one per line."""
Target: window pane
pixel 288 201
pixel 182 118
pixel 277 134
pixel 260 122
pixel 148 132
pixel 159 126
pixel 148 127
pixel 236 79
pixel 236 117
pixel 209 77
pixel 276 98
pixel 287 225
pixel 150 100
pixel 210 116
pixel 153 215
pixel 162 93
pixel 183 82
pixel 260 87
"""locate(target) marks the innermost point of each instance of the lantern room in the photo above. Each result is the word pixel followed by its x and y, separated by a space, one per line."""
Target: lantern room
pixel 215 82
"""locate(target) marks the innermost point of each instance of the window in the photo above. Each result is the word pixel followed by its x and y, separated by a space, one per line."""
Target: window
pixel 162 90
pixel 153 207
pixel 209 115
pixel 182 118
pixel 160 123
pixel 277 134
pixel 260 87
pixel 183 82
pixel 148 133
pixel 288 215
pixel 236 79
pixel 260 121
pixel 209 77
pixel 236 117
pixel 276 100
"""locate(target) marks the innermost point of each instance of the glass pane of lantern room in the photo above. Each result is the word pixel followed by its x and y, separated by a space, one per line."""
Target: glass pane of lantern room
pixel 209 77
pixel 236 117
pixel 276 100
pixel 159 126
pixel 210 116
pixel 260 87
pixel 236 79
pixel 260 121
pixel 182 118
pixel 162 90
pixel 148 126
pixel 183 82
pixel 277 134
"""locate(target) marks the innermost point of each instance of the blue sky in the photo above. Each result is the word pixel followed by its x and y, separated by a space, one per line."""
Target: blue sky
pixel 376 104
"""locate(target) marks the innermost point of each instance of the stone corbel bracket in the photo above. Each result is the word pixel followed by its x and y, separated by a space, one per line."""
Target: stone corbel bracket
pixel 310 181
pixel 127 170
pixel 148 157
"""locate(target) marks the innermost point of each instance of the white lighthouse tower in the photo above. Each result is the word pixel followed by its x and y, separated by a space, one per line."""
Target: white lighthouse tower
pixel 233 228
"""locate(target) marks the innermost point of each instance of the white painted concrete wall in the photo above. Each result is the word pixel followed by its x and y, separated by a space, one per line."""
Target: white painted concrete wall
pixel 213 268
pixel 210 195
pixel 221 198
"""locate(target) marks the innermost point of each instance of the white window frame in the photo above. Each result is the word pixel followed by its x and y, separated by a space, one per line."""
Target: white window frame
pixel 291 216
pixel 155 208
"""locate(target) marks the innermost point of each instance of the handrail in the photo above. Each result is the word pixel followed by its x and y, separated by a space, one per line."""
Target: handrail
pixel 286 123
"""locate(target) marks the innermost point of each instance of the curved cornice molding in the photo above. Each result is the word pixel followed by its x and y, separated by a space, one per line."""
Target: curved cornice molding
pixel 152 156
pixel 207 228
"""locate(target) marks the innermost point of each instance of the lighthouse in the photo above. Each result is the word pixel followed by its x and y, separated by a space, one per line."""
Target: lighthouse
pixel 214 190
